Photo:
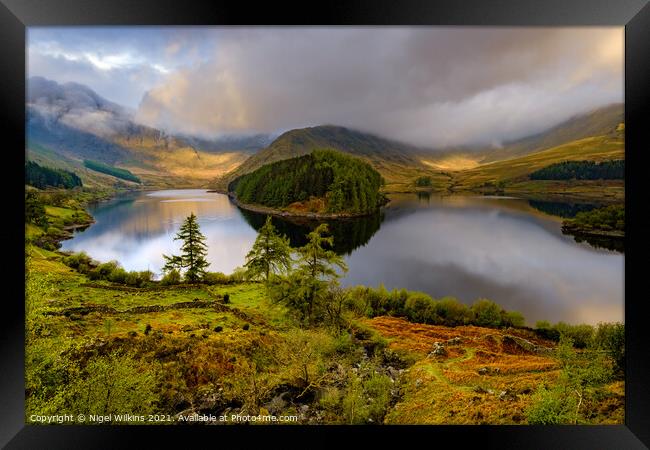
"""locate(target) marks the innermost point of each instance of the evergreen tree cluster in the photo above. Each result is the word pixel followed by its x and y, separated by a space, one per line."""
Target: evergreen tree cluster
pixel 423 181
pixel 607 218
pixel 346 183
pixel 582 170
pixel 42 177
pixel 110 170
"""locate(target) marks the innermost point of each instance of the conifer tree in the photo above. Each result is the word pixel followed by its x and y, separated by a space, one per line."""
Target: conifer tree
pixel 306 289
pixel 193 251
pixel 270 254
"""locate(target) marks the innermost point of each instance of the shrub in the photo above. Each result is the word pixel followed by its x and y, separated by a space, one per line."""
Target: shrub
pixel 147 329
pixel 545 330
pixel 377 388
pixel 581 335
pixel 246 326
pixel 226 298
pixel 132 279
pixel 551 407
pixel 105 269
pixel 486 313
pixel 77 260
pixel 111 384
pixel 218 328
pixel 610 337
pixel 171 277
pixel 118 275
pixel 145 276
pixel 238 275
pixel 512 319
pixel 216 278
pixel 452 312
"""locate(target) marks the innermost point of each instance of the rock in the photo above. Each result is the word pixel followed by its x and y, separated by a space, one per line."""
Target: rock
pixel 516 345
pixel 418 382
pixel 488 370
pixel 438 350
pixel 507 395
pixel 277 404
pixel 454 341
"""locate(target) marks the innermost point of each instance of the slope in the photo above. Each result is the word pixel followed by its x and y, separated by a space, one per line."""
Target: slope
pixel 398 163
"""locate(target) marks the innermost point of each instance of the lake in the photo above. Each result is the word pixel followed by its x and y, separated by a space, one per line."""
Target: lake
pixel 509 250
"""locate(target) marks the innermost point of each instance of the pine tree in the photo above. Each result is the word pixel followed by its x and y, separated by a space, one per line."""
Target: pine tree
pixel 270 254
pixel 306 289
pixel 193 251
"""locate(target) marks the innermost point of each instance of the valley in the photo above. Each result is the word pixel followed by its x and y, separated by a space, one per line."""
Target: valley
pixel 406 285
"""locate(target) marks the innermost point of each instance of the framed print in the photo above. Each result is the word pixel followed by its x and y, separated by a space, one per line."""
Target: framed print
pixel 367 219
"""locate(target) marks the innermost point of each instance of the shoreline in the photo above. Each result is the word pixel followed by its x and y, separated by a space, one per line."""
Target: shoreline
pixel 283 213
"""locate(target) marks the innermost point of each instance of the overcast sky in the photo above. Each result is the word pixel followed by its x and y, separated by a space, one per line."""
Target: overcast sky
pixel 429 86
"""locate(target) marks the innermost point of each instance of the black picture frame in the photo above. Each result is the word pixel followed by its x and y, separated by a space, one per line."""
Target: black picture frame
pixel 16 15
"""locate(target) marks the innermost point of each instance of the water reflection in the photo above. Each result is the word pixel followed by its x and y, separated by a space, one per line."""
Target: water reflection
pixel 349 234
pixel 504 249
pixel 565 210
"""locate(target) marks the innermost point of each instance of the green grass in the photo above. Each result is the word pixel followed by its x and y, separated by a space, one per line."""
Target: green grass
pixel 517 169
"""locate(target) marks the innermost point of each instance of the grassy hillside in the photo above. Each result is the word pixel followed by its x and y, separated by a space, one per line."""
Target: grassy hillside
pixel 513 175
pixel 599 122
pixel 225 349
pixel 396 162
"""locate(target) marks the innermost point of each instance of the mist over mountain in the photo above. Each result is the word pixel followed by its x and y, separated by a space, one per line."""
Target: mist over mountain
pixel 77 123
pixel 69 108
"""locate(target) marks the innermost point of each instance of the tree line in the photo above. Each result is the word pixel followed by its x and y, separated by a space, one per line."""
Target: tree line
pixel 608 218
pixel 110 170
pixel 42 177
pixel 582 170
pixel 346 183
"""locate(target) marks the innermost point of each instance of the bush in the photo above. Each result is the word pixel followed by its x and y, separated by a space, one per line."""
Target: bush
pixel 512 319
pixel 111 384
pixel 172 277
pixel 216 278
pixel 104 270
pixel 486 313
pixel 239 275
pixel 610 337
pixel 452 312
pixel 118 275
pixel 377 388
pixel 581 335
pixel 551 407
pixel 77 261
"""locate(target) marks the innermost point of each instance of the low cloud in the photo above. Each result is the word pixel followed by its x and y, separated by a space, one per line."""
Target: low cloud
pixel 430 86
pixel 433 87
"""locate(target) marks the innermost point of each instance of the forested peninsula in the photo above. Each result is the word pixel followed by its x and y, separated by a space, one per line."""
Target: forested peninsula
pixel 324 183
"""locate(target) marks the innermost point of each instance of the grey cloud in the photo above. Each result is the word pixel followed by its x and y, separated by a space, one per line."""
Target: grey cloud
pixel 77 106
pixel 428 86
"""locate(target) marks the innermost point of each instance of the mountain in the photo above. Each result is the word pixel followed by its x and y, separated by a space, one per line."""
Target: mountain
pixel 75 122
pixel 397 162
pixel 401 163
pixel 599 122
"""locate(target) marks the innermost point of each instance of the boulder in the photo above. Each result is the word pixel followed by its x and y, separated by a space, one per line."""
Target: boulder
pixel 438 350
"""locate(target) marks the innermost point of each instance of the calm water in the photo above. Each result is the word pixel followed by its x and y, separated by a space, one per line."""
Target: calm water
pixel 509 250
